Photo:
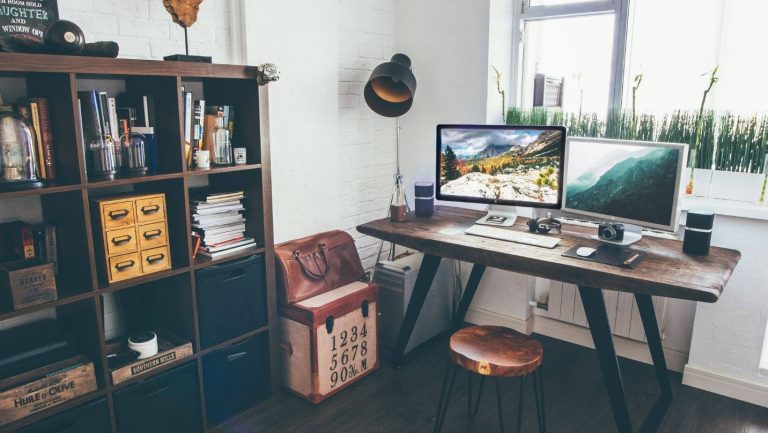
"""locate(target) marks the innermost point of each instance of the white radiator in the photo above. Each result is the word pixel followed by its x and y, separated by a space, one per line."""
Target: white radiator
pixel 561 301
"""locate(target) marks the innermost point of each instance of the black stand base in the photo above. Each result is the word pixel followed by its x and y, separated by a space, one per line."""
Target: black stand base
pixel 186 58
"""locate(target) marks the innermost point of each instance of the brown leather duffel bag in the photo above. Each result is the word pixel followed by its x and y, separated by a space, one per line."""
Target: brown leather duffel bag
pixel 316 264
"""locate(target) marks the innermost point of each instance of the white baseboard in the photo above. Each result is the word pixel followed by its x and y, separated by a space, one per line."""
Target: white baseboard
pixel 723 384
pixel 625 348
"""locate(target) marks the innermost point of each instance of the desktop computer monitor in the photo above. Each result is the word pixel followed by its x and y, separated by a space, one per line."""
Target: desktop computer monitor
pixel 633 182
pixel 503 166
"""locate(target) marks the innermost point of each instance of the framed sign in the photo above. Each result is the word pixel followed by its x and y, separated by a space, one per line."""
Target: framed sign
pixel 27 19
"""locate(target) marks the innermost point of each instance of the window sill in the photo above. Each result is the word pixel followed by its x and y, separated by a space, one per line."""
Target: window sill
pixel 726 207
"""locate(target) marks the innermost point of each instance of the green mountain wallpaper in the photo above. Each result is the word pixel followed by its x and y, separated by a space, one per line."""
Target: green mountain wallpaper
pixel 640 188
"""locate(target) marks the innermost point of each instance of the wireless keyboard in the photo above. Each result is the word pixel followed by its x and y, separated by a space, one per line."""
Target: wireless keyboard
pixel 513 236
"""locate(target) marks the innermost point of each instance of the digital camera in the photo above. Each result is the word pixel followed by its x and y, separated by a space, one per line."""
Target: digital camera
pixel 611 232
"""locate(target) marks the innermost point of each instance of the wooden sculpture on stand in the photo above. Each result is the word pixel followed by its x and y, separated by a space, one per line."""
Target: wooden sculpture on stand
pixel 184 13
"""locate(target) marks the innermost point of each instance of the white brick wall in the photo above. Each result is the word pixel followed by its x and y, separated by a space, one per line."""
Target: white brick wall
pixel 144 29
pixel 366 140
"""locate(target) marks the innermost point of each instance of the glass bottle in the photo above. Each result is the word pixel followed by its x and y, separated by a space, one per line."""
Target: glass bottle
pixel 222 145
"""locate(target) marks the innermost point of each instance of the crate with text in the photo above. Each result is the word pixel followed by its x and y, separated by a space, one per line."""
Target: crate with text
pixel 329 341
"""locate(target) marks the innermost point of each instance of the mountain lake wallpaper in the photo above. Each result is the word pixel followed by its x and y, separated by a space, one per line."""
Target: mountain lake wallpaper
pixel 628 181
pixel 515 165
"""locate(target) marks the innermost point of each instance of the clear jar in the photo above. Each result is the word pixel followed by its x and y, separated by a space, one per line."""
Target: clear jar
pixel 18 164
pixel 101 154
pixel 222 145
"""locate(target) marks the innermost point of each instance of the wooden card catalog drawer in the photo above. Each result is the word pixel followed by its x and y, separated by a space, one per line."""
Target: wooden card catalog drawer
pixel 155 260
pixel 133 236
pixel 150 208
pixel 117 214
pixel 121 241
pixel 152 235
pixel 124 267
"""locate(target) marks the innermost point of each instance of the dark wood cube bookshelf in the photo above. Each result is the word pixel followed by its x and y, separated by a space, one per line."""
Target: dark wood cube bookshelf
pixel 167 299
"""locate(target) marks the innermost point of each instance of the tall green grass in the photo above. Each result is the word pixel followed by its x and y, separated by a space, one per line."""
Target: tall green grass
pixel 728 142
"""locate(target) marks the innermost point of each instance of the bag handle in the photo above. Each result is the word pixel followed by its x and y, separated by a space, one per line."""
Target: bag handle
pixel 317 257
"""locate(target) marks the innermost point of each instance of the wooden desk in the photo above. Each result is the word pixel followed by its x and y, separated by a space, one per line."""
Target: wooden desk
pixel 666 272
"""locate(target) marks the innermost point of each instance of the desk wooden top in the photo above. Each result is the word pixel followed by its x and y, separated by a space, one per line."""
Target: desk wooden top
pixel 665 271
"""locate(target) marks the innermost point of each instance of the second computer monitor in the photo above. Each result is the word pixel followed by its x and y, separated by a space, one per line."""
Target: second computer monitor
pixel 635 182
pixel 502 165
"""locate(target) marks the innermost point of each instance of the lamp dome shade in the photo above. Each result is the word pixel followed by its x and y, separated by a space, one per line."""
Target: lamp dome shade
pixel 391 87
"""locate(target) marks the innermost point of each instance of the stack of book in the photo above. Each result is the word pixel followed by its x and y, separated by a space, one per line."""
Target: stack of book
pixel 218 223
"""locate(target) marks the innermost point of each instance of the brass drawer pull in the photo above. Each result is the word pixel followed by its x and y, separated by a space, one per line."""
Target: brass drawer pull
pixel 125 265
pixel 118 214
pixel 121 239
pixel 149 210
pixel 152 234
pixel 155 259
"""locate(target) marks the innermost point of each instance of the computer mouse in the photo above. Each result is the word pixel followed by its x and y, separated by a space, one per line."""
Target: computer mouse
pixel 585 251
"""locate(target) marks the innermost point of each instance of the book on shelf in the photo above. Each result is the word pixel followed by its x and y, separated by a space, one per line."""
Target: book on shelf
pixel 200 121
pixel 16 241
pixel 224 253
pixel 143 103
pixel 44 240
pixel 90 115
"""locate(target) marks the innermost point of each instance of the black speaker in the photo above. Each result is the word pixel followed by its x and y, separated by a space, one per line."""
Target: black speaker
pixel 698 232
pixel 166 402
pixel 425 199
pixel 231 299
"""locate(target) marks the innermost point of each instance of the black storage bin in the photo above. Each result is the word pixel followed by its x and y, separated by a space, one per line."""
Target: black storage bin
pixel 236 378
pixel 92 417
pixel 168 402
pixel 231 299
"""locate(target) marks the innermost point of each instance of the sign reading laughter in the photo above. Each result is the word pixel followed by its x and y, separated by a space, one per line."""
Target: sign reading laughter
pixel 26 19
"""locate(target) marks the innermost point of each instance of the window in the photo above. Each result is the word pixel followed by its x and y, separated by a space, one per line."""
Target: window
pixel 637 69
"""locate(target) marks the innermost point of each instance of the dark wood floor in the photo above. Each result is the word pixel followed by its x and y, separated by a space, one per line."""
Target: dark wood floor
pixel 405 400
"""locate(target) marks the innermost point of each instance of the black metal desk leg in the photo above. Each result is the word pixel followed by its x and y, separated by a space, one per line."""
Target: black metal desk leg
pixel 597 317
pixel 429 265
pixel 656 415
pixel 652 334
pixel 469 294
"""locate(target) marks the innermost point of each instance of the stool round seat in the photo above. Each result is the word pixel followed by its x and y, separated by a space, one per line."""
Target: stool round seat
pixel 495 351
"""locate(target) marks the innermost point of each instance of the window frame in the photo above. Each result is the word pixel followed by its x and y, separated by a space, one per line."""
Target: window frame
pixel 527 13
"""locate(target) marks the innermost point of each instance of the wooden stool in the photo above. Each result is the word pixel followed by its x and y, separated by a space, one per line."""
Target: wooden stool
pixel 497 352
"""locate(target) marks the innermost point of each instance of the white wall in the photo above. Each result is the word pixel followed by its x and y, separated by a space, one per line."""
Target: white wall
pixel 300 36
pixel 728 335
pixel 145 30
pixel 366 140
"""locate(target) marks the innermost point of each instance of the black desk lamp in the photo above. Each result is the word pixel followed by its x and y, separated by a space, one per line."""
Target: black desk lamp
pixel 389 92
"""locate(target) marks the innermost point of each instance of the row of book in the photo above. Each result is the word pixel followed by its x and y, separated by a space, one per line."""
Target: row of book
pixel 112 120
pixel 199 122
pixel 20 240
pixel 218 223
pixel 36 112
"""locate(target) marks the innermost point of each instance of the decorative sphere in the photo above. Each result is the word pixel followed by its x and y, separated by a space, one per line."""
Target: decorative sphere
pixel 64 37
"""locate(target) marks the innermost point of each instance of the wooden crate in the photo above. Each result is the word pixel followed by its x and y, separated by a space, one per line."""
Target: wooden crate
pixel 25 283
pixel 35 391
pixel 171 348
pixel 329 341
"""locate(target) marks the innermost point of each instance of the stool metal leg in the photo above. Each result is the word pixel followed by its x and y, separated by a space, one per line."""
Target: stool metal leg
pixel 500 407
pixel 520 405
pixel 443 406
pixel 538 390
pixel 473 413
